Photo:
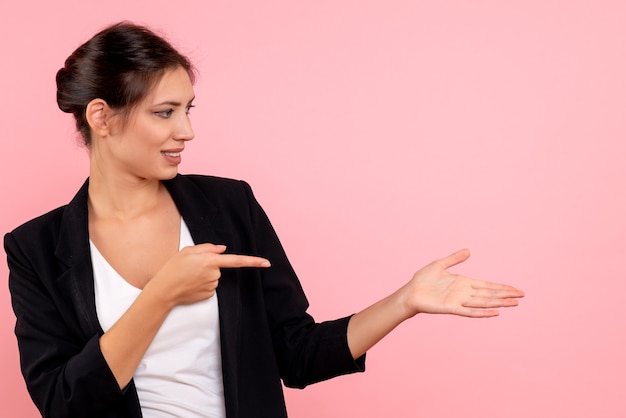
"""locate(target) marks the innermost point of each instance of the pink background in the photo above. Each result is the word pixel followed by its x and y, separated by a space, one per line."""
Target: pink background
pixel 405 130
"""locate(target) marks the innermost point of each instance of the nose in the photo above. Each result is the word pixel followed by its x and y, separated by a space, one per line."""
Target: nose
pixel 184 131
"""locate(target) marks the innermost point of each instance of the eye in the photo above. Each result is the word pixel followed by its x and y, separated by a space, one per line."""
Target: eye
pixel 164 113
pixel 188 108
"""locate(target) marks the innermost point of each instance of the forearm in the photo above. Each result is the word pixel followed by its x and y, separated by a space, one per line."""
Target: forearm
pixel 125 343
pixel 372 324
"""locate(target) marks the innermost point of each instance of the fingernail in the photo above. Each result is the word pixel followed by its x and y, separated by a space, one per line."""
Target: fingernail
pixel 265 264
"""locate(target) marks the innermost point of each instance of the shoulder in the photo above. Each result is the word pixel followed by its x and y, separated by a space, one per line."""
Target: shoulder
pixel 47 227
pixel 34 240
pixel 42 225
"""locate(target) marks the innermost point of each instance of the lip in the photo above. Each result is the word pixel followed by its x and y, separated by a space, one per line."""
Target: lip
pixel 172 156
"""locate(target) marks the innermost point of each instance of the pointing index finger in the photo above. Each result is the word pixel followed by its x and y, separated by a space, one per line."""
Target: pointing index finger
pixel 238 261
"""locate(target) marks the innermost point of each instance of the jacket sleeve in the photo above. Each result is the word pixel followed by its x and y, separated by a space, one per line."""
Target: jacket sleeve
pixel 307 352
pixel 65 373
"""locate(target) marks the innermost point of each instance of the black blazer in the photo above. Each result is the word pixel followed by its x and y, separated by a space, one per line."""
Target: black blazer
pixel 266 334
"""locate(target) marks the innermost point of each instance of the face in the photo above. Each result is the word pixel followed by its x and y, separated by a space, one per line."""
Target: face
pixel 150 144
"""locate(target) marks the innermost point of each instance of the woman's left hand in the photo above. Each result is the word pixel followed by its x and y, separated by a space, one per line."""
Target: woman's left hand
pixel 431 290
pixel 434 290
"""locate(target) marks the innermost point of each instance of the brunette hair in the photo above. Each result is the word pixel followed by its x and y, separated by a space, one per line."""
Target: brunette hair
pixel 119 65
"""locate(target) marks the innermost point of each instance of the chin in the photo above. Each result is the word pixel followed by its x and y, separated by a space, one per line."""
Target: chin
pixel 165 174
pixel 169 176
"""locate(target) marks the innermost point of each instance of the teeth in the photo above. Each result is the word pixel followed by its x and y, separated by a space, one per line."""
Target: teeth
pixel 172 154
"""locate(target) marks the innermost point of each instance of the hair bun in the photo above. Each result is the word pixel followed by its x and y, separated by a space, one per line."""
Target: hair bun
pixel 63 99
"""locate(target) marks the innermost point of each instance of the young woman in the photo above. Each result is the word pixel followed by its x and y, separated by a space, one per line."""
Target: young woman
pixel 151 293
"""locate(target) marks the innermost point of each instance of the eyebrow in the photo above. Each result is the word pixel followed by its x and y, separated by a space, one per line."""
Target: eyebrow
pixel 172 103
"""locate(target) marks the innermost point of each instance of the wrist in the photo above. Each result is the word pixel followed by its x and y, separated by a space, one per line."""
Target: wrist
pixel 159 296
pixel 405 302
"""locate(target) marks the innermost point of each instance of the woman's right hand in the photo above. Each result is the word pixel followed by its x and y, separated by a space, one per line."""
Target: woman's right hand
pixel 193 273
pixel 189 276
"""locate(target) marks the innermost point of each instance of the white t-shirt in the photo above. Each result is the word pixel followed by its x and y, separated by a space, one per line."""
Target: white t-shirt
pixel 180 374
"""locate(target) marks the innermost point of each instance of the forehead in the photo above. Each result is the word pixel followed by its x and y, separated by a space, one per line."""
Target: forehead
pixel 174 86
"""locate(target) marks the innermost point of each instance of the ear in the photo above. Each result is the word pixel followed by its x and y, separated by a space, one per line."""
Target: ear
pixel 98 114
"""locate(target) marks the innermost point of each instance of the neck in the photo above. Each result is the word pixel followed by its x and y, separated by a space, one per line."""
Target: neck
pixel 122 198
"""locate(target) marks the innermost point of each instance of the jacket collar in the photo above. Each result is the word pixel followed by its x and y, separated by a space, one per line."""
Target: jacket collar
pixel 195 208
pixel 73 243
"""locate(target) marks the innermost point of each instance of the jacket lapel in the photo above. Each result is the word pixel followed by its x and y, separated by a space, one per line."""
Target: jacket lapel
pixel 203 220
pixel 72 250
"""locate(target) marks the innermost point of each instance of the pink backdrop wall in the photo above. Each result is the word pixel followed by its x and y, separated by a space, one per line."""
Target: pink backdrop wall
pixel 406 130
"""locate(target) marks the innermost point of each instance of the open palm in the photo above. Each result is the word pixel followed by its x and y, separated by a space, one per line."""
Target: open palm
pixel 434 290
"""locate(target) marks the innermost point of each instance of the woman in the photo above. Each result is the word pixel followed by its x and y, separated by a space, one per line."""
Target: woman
pixel 119 312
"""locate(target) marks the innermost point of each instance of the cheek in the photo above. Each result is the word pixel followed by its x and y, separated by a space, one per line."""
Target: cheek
pixel 148 139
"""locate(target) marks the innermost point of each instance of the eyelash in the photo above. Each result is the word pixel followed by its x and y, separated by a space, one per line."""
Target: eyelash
pixel 168 112
pixel 164 113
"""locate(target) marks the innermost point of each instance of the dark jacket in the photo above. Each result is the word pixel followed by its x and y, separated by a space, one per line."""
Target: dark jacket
pixel 266 334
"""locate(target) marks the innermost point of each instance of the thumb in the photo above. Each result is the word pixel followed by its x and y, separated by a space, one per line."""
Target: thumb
pixel 211 248
pixel 454 258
